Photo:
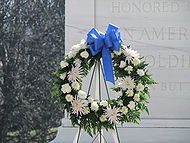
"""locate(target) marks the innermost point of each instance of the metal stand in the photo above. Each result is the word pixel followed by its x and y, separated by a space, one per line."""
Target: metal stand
pixel 98 69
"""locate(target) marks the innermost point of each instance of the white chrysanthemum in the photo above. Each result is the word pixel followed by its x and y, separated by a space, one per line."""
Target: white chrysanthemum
pixel 136 97
pixel 112 114
pixel 122 64
pixel 75 85
pixel 66 88
pixel 130 54
pixel 136 61
pixel 63 76
pixel 140 72
pixel 63 64
pixel 77 62
pixel 131 105
pixel 82 94
pixel 94 106
pixel 78 106
pixel 129 93
pixel 75 74
pixel 69 97
pixel 140 87
pixel 126 83
pixel 103 118
pixel 124 110
pixel 129 69
pixel 84 54
pixel 104 103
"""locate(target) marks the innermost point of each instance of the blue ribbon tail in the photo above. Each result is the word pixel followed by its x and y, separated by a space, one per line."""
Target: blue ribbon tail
pixel 107 65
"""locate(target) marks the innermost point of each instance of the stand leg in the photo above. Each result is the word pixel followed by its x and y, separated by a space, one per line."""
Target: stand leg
pixel 77 137
pixel 115 135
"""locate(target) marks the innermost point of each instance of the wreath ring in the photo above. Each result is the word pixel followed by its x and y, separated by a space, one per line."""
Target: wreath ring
pixel 131 89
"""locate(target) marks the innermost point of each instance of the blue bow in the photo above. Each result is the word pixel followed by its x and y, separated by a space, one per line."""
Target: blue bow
pixel 100 42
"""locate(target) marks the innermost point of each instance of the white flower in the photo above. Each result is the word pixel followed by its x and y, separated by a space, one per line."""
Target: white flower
pixel 83 44
pixel 117 52
pixel 62 76
pixel 131 105
pixel 91 100
pixel 75 48
pixel 124 110
pixel 112 114
pixel 75 85
pixel 104 103
pixel 119 94
pixel 126 83
pixel 140 87
pixel 66 88
pixel 75 74
pixel 72 54
pixel 120 102
pixel 129 93
pixel 82 94
pixel 129 69
pixel 84 54
pixel 140 72
pixel 86 110
pixel 122 64
pixel 78 106
pixel 77 62
pixel 63 64
pixel 69 97
pixel 136 97
pixel 103 118
pixel 94 106
pixel 136 61
pixel 130 54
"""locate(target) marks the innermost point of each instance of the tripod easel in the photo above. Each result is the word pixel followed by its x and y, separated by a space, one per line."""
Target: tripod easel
pixel 98 69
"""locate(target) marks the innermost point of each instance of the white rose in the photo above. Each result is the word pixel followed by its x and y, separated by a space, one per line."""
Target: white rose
pixel 104 103
pixel 63 64
pixel 129 93
pixel 84 54
pixel 94 106
pixel 131 105
pixel 136 97
pixel 103 118
pixel 140 87
pixel 140 72
pixel 82 94
pixel 129 69
pixel 124 110
pixel 136 61
pixel 62 76
pixel 69 98
pixel 72 54
pixel 75 85
pixel 122 64
pixel 66 88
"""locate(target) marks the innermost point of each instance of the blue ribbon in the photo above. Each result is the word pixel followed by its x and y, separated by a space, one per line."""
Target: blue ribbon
pixel 100 42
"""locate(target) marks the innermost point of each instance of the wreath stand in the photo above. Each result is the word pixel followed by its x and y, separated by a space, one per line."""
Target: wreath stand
pixel 98 69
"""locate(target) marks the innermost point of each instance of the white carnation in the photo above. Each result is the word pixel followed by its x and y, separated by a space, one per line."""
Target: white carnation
pixel 62 76
pixel 84 54
pixel 136 97
pixel 136 61
pixel 140 72
pixel 69 98
pixel 140 87
pixel 63 64
pixel 77 62
pixel 75 85
pixel 103 118
pixel 66 88
pixel 122 64
pixel 129 93
pixel 131 105
pixel 94 106
pixel 82 94
pixel 104 103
